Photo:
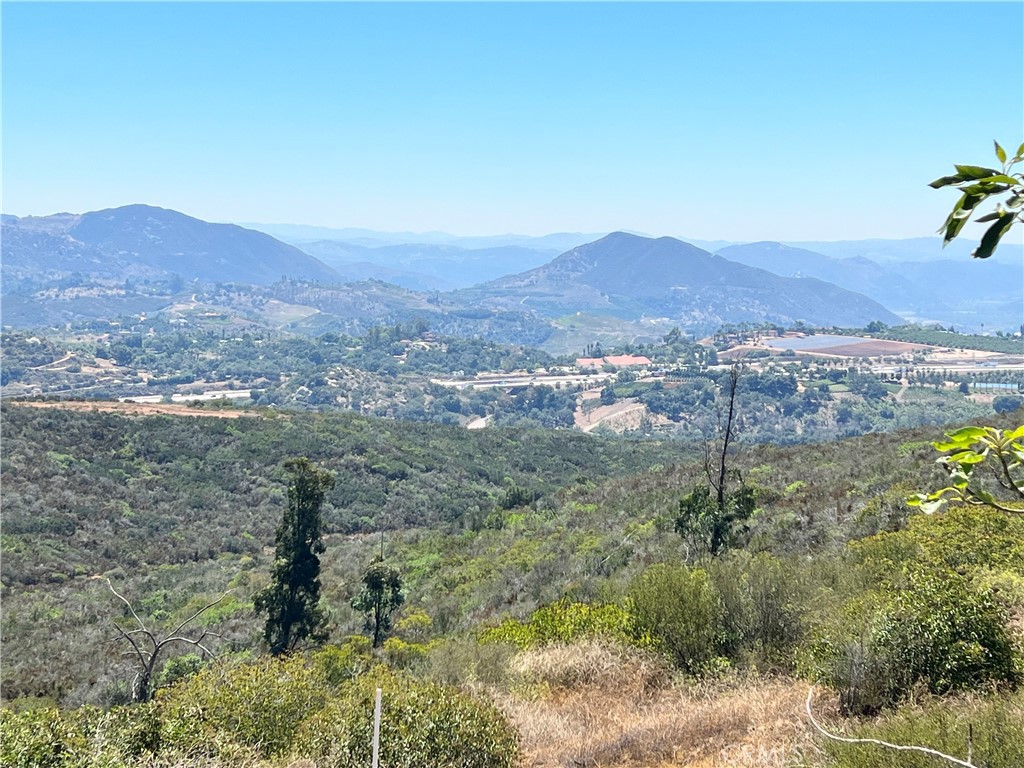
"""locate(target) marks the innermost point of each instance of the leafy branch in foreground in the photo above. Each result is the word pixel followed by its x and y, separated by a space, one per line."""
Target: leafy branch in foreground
pixel 968 449
pixel 977 184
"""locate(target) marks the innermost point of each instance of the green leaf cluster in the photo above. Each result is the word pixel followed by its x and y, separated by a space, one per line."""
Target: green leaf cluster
pixel 676 610
pixel 976 185
pixel 423 724
pixel 711 525
pixel 935 630
pixel 290 707
pixel 380 596
pixel 228 709
pixel 966 450
pixel 240 712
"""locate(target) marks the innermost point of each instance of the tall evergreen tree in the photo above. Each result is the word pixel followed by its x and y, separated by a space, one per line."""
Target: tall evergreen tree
pixel 380 596
pixel 292 599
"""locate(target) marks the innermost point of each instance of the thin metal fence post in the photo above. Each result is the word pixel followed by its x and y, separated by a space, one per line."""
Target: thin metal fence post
pixel 376 730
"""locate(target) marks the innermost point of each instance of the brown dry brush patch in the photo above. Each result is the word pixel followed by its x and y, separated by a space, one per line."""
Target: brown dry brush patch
pixel 135 409
pixel 597 705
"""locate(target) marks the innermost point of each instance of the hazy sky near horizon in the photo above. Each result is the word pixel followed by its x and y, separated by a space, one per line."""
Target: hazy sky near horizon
pixel 734 121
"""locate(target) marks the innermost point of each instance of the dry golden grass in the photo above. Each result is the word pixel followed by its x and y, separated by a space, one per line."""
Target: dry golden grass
pixel 601 706
pixel 591 664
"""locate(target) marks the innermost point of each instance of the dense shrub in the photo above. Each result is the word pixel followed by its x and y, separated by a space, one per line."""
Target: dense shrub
pixel 776 601
pixel 337 664
pixel 237 713
pixel 401 654
pixel 676 610
pixel 322 710
pixel 764 600
pixel 993 726
pixel 564 622
pixel 227 707
pixel 936 632
pixel 422 724
pixel 1006 403
pixel 39 738
pixel 940 632
pixel 178 668
pixel 81 738
pixel 967 540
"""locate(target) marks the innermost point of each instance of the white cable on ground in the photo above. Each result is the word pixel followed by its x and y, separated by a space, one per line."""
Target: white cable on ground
pixel 877 742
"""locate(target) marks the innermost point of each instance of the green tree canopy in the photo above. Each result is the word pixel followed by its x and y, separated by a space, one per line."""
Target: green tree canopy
pixel 292 600
pixel 380 596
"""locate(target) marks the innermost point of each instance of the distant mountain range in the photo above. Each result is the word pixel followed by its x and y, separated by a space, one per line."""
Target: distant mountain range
pixel 621 275
pixel 910 250
pixel 427 267
pixel 917 278
pixel 300 234
pixel 963 291
pixel 141 241
pixel 632 277
pixel 876 249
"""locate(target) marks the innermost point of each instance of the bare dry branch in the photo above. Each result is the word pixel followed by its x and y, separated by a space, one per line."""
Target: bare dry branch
pixel 199 613
pixel 128 636
pixel 125 601
pixel 147 660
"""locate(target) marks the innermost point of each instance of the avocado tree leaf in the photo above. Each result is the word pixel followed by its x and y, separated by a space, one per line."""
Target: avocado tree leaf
pixel 969 447
pixel 1001 178
pixel 987 187
pixel 993 235
pixel 946 181
pixel 961 477
pixel 985 496
pixel 927 504
pixel 1015 434
pixel 970 457
pixel 965 433
pixel 977 184
pixel 961 213
pixel 976 171
pixel 961 438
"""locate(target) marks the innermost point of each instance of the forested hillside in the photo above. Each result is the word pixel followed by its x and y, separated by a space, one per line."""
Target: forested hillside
pixel 484 528
pixel 88 492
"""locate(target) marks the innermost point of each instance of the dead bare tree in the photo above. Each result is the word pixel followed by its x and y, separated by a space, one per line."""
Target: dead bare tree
pixel 716 464
pixel 879 743
pixel 711 524
pixel 147 645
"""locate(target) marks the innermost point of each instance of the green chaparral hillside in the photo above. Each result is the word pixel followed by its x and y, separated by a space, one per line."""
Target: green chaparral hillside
pixel 172 508
pixel 482 524
pixel 513 546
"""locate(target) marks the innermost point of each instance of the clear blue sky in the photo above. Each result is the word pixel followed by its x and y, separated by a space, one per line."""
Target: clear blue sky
pixel 728 121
